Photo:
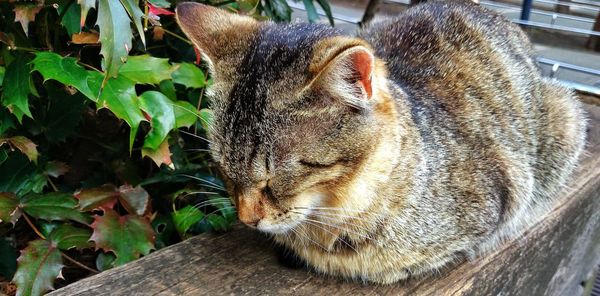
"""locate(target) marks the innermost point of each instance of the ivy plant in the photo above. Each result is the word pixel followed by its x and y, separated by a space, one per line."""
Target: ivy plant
pixel 103 150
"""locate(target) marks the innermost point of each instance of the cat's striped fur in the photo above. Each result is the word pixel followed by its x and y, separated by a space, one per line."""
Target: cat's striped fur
pixel 426 138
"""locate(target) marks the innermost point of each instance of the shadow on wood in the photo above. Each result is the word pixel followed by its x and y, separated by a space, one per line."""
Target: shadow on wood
pixel 552 258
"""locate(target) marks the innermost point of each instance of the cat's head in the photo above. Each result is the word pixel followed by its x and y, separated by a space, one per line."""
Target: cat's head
pixel 297 112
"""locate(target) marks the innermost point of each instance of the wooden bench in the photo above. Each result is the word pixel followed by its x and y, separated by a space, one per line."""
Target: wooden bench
pixel 552 258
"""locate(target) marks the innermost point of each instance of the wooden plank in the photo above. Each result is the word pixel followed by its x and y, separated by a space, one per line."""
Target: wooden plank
pixel 552 258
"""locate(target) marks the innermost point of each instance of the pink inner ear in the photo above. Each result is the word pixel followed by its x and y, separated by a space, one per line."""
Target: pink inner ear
pixel 363 64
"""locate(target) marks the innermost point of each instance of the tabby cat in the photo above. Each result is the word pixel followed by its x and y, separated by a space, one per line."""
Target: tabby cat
pixel 423 139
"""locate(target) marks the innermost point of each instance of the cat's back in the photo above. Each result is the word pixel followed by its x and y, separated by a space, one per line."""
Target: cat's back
pixel 439 38
pixel 484 112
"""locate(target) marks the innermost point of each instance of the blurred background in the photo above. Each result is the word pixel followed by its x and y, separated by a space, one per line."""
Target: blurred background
pixel 566 33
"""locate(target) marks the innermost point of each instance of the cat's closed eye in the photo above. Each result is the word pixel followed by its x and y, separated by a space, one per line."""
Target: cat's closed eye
pixel 317 164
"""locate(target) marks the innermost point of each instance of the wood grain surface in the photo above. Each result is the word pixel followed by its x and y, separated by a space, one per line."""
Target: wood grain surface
pixel 552 258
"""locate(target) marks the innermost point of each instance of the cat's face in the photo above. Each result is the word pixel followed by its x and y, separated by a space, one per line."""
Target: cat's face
pixel 292 112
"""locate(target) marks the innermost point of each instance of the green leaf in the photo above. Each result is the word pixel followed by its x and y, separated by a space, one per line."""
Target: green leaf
pixel 225 207
pixel 46 227
pixel 325 5
pixel 135 199
pixel 67 237
pixel 133 9
pixel 119 97
pixel 146 69
pixel 66 71
pixel 24 145
pixel 8 259
pixel 217 222
pixel 9 207
pixel 6 121
pixel 71 16
pixel 85 7
pixel 164 228
pixel 186 218
pixel 38 266
pixel 2 71
pixel 313 16
pixel 160 3
pixel 3 155
pixel 185 114
pixel 105 261
pixel 53 206
pixel 127 237
pixel 189 75
pixel 168 89
pixel 115 35
pixel 162 118
pixel 16 88
pixel 103 197
pixel 20 176
pixel 281 10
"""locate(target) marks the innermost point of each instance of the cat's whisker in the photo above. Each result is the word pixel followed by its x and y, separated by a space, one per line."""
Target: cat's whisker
pixel 327 230
pixel 306 236
pixel 349 217
pixel 348 224
pixel 211 203
pixel 332 209
pixel 366 237
pixel 210 127
pixel 215 211
pixel 197 150
pixel 196 136
pixel 319 213
pixel 202 192
pixel 300 238
pixel 214 185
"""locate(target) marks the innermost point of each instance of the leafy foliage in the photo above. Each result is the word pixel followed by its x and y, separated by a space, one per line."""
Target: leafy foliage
pixel 39 265
pixel 127 236
pixel 16 88
pixel 88 89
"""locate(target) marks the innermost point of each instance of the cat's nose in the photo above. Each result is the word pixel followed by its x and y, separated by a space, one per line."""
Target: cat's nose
pixel 250 209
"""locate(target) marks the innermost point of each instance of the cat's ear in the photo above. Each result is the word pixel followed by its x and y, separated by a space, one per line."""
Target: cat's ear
pixel 217 33
pixel 344 68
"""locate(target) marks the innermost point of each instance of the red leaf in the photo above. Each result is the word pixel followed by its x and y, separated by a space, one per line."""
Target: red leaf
pixel 128 237
pixel 135 199
pixel 198 55
pixel 103 197
pixel 160 156
pixel 157 10
pixel 9 207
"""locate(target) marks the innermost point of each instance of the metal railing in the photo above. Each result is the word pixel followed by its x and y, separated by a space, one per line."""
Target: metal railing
pixel 526 11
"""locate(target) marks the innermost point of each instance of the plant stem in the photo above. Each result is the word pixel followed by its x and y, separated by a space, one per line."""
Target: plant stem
pixel 145 16
pixel 81 265
pixel 198 107
pixel 33 227
pixel 52 184
pixel 24 49
pixel 177 36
